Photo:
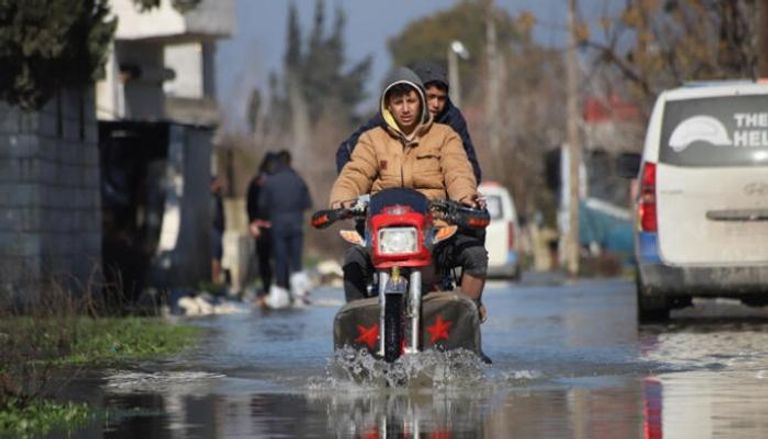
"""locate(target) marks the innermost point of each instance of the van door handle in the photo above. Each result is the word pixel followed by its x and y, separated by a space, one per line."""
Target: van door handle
pixel 738 215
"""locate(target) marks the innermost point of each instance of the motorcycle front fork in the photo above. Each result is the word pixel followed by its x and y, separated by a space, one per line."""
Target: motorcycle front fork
pixel 395 288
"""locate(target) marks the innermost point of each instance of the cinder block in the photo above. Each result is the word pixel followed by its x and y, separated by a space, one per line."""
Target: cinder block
pixel 92 133
pixel 17 195
pixel 20 244
pixel 47 148
pixel 51 197
pixel 53 221
pixel 91 155
pixel 47 124
pixel 30 170
pixel 10 170
pixel 9 119
pixel 10 146
pixel 9 219
pixel 29 122
pixel 20 220
pixel 91 177
pixel 20 269
pixel 46 172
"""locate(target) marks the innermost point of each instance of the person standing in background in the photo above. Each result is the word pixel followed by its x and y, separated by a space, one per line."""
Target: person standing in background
pixel 217 229
pixel 284 198
pixel 258 226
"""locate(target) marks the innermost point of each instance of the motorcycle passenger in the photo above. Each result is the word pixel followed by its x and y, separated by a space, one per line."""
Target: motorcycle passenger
pixel 411 152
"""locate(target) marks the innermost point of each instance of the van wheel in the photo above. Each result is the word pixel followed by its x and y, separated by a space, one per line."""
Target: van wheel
pixel 650 308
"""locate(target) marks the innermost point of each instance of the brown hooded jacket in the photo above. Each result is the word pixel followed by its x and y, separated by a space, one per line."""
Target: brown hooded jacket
pixel 432 162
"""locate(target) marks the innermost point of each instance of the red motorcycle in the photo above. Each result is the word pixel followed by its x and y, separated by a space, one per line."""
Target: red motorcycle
pixel 400 236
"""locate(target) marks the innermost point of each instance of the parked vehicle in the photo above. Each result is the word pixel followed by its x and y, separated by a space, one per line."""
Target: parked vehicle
pixel 702 203
pixel 502 234
pixel 400 236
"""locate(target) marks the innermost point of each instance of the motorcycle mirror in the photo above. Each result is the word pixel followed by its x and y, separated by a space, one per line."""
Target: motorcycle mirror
pixel 352 237
pixel 444 233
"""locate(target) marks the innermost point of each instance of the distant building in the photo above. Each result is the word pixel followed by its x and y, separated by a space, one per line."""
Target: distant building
pixel 610 127
pixel 162 65
pixel 157 112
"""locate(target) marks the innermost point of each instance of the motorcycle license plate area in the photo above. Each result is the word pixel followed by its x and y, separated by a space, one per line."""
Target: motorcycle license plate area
pixel 448 321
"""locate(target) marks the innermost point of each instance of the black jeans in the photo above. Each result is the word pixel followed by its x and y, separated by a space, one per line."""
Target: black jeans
pixel 287 244
pixel 264 256
pixel 466 249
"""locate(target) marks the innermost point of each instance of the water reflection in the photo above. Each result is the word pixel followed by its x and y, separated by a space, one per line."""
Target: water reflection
pixel 715 382
pixel 569 363
pixel 502 405
pixel 416 414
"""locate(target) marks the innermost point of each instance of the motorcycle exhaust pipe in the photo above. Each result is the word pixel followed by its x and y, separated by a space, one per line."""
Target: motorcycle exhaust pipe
pixel 383 282
pixel 414 311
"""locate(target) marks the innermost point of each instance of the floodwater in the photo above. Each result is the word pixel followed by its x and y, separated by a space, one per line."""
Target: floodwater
pixel 568 362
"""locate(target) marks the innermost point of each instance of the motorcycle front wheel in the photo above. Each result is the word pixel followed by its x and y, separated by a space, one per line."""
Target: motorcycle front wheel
pixel 393 327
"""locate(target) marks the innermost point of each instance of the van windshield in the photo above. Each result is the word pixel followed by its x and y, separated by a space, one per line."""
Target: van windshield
pixel 494 206
pixel 721 131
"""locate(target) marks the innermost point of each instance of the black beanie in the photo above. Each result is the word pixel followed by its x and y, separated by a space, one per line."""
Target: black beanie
pixel 430 72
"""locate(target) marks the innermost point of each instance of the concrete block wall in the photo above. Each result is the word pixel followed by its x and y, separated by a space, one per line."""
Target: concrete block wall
pixel 50 205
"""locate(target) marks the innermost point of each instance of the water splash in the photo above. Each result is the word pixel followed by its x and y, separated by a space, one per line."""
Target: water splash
pixel 126 381
pixel 430 369
pixel 521 376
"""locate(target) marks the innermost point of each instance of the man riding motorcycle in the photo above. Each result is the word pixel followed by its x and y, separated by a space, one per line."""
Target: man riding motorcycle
pixel 411 152
pixel 440 107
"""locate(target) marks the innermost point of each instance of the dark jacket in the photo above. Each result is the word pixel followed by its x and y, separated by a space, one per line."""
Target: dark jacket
pixel 451 116
pixel 283 199
pixel 218 212
pixel 252 198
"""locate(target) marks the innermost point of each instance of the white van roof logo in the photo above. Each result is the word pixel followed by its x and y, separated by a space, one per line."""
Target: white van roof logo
pixel 699 128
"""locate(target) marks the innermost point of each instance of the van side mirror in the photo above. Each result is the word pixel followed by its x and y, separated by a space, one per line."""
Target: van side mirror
pixel 628 164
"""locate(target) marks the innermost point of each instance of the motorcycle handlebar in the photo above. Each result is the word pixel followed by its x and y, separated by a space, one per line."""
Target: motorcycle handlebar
pixel 324 218
pixel 461 215
pixel 448 210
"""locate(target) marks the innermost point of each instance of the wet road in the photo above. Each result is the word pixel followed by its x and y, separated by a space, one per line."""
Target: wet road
pixel 569 361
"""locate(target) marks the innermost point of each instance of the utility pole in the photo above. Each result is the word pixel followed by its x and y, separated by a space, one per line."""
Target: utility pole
pixel 456 50
pixel 762 46
pixel 574 146
pixel 492 98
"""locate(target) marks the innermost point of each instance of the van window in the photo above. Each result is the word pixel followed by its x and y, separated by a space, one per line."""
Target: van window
pixel 721 131
pixel 494 207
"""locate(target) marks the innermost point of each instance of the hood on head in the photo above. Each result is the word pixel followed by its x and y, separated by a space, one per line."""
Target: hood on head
pixel 403 75
pixel 429 71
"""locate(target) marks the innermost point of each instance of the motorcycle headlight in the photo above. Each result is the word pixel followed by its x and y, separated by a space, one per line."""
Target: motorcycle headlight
pixel 395 240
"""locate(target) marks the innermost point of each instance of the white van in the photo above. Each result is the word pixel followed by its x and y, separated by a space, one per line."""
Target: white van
pixel 502 234
pixel 702 203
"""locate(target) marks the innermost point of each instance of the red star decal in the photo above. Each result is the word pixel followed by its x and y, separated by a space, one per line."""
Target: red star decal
pixel 439 331
pixel 373 433
pixel 369 336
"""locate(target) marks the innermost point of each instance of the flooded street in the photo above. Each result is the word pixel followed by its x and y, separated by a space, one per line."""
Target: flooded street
pixel 568 361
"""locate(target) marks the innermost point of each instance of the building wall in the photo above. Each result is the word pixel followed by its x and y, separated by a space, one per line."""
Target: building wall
pixel 143 95
pixel 210 17
pixel 50 211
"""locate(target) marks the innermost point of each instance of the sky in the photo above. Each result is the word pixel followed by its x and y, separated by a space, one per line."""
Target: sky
pixel 244 61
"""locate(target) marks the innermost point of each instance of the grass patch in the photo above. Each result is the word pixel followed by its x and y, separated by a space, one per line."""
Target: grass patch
pixel 34 349
pixel 32 419
pixel 101 341
pixel 89 341
pixel 50 333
